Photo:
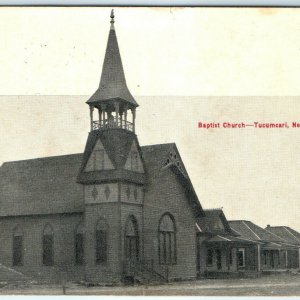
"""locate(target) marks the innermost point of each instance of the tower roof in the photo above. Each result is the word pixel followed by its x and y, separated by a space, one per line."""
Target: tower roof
pixel 112 83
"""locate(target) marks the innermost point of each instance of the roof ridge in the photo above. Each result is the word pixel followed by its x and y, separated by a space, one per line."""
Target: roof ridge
pixel 40 158
pixel 291 233
pixel 276 234
pixel 251 229
pixel 239 221
pixel 162 144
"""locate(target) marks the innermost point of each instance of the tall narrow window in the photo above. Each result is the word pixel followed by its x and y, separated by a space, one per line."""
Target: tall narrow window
pixel 101 242
pixel 167 240
pixel 48 246
pixel 241 257
pixel 209 257
pixel 17 247
pixel 79 245
pixel 132 239
pixel 265 253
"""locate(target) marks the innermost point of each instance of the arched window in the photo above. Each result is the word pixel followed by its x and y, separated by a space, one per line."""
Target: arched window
pixel 167 240
pixel 132 239
pixel 101 241
pixel 48 246
pixel 79 244
pixel 17 247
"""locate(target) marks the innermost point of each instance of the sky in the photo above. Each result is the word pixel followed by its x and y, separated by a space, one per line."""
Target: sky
pixel 183 66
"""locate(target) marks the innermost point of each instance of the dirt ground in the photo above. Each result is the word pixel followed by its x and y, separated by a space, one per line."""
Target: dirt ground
pixel 268 285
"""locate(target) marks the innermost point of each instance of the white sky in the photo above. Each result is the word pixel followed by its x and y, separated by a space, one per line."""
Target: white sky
pixel 253 174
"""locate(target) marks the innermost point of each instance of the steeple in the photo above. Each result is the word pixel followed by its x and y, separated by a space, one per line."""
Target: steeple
pixel 112 98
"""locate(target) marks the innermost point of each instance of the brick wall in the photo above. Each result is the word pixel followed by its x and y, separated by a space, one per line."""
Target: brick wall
pixel 111 270
pixel 32 227
pixel 166 194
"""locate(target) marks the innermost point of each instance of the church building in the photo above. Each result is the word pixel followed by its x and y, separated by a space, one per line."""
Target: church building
pixel 118 211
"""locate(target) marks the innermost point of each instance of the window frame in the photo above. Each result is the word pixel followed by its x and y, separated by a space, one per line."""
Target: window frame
pixel 48 261
pixel 209 258
pixel 265 255
pixel 79 255
pixel 101 232
pixel 19 250
pixel 132 240
pixel 241 250
pixel 167 251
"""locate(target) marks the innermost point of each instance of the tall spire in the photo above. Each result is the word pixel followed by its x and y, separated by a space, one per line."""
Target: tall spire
pixel 113 83
pixel 112 19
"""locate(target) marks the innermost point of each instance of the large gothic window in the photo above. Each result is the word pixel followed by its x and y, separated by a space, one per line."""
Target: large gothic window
pixel 101 241
pixel 79 244
pixel 48 246
pixel 17 247
pixel 167 240
pixel 132 239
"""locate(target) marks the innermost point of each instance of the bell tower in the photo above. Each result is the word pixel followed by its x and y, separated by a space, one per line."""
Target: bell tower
pixel 112 100
pixel 112 173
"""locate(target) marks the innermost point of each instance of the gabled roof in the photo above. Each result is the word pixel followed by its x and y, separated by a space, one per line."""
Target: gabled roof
pixel 214 222
pixel 48 185
pixel 41 186
pixel 253 232
pixel 285 232
pixel 117 144
pixel 155 157
pixel 112 83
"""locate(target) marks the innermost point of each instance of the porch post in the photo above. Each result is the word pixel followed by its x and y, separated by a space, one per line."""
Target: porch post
pixel 258 258
pixel 133 119
pixel 117 113
pixel 91 116
pixel 100 116
pixel 125 116
pixel 299 257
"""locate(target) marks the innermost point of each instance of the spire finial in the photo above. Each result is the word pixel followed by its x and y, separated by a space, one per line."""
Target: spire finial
pixel 112 17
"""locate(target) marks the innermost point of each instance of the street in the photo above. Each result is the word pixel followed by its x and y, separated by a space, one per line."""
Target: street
pixel 268 285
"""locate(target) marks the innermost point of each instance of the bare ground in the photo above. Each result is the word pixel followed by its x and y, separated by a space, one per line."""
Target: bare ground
pixel 268 285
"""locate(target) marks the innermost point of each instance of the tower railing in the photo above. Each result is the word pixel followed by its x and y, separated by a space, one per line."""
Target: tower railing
pixel 113 122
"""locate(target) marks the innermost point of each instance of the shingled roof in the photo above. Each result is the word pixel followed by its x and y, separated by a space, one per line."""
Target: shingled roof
pixel 48 185
pixel 117 143
pixel 214 222
pixel 253 232
pixel 113 83
pixel 285 232
pixel 41 186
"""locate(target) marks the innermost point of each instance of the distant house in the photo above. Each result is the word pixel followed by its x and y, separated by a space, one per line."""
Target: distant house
pixel 277 252
pixel 224 252
pixel 291 236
